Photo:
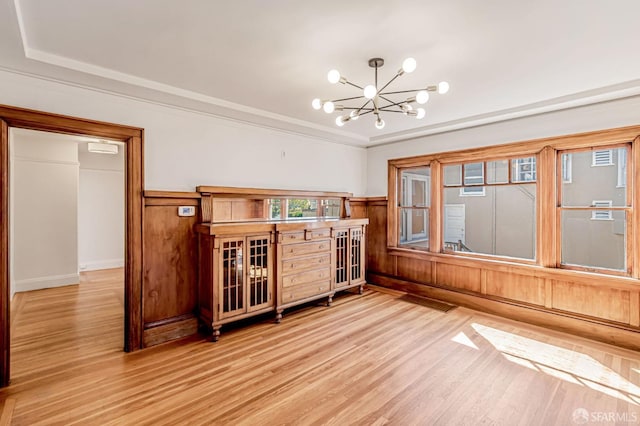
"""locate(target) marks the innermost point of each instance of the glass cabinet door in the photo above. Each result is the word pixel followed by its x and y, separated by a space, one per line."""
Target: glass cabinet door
pixel 232 296
pixel 342 258
pixel 259 272
pixel 356 254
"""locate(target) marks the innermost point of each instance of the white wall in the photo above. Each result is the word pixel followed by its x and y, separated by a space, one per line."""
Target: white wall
pixel 100 210
pixel 45 212
pixel 594 117
pixel 184 149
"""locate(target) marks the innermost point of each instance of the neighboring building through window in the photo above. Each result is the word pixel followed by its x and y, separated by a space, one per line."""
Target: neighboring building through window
pixel 414 202
pixel 594 210
pixel 602 157
pixel 601 214
pixel 503 221
pixel 622 168
pixel 524 169
pixel 566 168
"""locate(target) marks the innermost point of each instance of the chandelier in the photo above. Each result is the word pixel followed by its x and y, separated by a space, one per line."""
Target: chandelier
pixel 375 101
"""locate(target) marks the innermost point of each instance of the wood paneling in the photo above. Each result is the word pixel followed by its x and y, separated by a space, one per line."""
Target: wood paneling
pixel 458 276
pixel 599 302
pixel 358 208
pixel 170 262
pixel 170 331
pixel 517 287
pixel 626 337
pixel 229 209
pixel 369 360
pixel 414 270
pixel 377 258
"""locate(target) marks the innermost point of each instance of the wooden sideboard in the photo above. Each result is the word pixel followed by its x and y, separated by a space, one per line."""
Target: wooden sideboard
pixel 254 265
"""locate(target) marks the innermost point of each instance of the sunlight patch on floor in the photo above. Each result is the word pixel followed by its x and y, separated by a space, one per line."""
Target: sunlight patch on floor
pixel 562 363
pixel 464 340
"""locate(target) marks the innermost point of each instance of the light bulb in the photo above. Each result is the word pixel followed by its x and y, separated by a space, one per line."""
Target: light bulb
pixel 316 103
pixel 443 87
pixel 409 65
pixel 406 108
pixel 420 113
pixel 341 120
pixel 379 123
pixel 328 107
pixel 422 97
pixel 333 76
pixel 370 91
pixel 354 115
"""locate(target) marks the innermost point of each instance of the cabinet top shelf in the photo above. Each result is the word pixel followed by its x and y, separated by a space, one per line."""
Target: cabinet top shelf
pixel 260 193
pixel 264 226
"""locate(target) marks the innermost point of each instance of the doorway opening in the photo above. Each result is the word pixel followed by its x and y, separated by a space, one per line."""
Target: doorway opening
pixel 18 118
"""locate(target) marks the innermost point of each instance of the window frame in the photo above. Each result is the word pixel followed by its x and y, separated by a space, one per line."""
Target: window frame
pixel 549 179
pixel 630 215
pixel 426 208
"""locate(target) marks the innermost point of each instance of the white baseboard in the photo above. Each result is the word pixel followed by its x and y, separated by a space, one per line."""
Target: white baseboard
pixel 46 282
pixel 101 264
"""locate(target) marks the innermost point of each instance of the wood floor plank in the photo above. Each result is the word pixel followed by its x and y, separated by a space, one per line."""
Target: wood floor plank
pixel 368 359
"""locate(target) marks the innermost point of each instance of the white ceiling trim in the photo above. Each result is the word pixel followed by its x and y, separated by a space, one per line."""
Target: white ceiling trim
pixel 52 59
pixel 618 91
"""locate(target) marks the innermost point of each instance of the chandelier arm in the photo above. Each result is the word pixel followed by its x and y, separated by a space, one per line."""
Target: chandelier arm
pixel 401 91
pixel 358 109
pixel 391 110
pixel 347 99
pixel 354 85
pixel 388 83
pixel 390 101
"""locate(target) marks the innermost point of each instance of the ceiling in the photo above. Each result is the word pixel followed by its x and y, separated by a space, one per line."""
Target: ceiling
pixel 264 62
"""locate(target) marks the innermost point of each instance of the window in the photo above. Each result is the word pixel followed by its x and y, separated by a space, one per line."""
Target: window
pixel 414 202
pixel 524 169
pixel 472 191
pixel 594 211
pixel 473 174
pixel 601 214
pixel 602 158
pixel 490 205
pixel 503 221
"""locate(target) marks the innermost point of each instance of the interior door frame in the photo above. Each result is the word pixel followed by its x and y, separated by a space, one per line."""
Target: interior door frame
pixel 133 138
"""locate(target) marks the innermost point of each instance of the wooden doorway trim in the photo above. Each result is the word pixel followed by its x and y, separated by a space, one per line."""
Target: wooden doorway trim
pixel 134 175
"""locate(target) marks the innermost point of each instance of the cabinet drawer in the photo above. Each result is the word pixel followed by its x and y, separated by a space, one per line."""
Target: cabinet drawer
pixel 292 294
pixel 306 277
pixel 292 237
pixel 305 263
pixel 301 249
pixel 318 234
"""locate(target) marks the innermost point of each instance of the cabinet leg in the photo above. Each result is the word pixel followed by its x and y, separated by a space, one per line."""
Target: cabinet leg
pixel 361 289
pixel 216 333
pixel 330 300
pixel 278 316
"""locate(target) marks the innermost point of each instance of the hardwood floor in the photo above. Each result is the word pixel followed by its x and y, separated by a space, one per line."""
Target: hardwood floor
pixel 370 359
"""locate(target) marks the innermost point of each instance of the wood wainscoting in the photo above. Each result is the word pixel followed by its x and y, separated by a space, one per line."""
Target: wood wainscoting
pixel 600 307
pixel 169 287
